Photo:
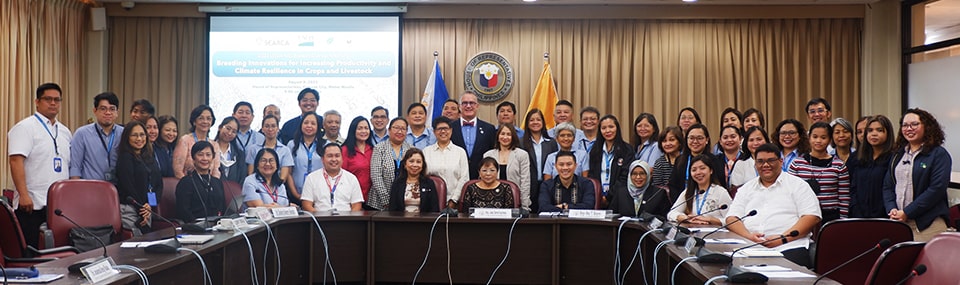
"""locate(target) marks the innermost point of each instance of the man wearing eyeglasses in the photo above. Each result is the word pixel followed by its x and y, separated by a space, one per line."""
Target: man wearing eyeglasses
pixel 472 134
pixel 783 202
pixel 39 154
pixel 818 110
pixel 307 100
pixel 93 151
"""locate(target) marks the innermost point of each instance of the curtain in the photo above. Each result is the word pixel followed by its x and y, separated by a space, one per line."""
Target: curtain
pixel 159 59
pixel 41 41
pixel 625 67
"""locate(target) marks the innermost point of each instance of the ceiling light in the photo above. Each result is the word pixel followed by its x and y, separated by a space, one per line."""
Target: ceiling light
pixel 529 0
pixel 689 1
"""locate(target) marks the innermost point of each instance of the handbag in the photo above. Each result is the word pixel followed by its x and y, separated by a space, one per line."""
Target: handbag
pixel 84 242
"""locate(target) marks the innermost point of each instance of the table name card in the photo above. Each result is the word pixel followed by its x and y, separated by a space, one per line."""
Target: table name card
pixel 655 223
pixel 492 213
pixel 587 214
pixel 99 270
pixel 285 212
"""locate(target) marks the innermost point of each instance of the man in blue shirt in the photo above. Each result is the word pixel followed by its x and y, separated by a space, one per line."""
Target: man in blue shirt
pixel 93 151
pixel 379 117
pixel 307 99
pixel 243 112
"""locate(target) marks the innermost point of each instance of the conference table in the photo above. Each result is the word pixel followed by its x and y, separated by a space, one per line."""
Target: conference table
pixel 389 248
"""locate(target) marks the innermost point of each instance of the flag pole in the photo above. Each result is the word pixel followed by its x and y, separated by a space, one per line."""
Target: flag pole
pixel 546 56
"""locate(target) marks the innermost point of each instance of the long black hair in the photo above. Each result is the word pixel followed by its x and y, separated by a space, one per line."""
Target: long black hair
pixel 351 141
pixel 298 138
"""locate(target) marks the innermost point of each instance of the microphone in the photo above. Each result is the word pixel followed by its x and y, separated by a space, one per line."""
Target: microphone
pixel 740 275
pixel 644 216
pixel 884 243
pixel 917 271
pixel 722 207
pixel 75 267
pixel 165 247
pixel 680 205
pixel 707 256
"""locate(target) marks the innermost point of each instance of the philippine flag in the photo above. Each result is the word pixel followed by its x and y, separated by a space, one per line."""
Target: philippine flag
pixel 435 94
pixel 488 75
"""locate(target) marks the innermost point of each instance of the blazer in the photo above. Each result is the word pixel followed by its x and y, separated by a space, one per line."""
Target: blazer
pixel 428 195
pixel 547 147
pixel 653 201
pixel 931 176
pixel 136 177
pixel 486 134
pixel 518 171
pixel 619 172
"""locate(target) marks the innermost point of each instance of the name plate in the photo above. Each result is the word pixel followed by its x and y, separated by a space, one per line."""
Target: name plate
pixel 672 233
pixel 257 211
pixel 264 215
pixel 655 223
pixel 492 213
pixel 230 224
pixel 99 270
pixel 690 245
pixel 587 214
pixel 285 212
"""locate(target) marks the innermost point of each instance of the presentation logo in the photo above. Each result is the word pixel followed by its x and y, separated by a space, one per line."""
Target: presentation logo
pixel 489 75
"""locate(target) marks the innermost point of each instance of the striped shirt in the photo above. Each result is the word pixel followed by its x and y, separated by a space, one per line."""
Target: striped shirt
pixel 661 172
pixel 833 179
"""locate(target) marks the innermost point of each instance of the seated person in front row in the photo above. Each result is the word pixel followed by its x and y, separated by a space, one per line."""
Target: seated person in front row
pixel 567 190
pixel 413 191
pixel 199 194
pixel 784 203
pixel 332 187
pixel 695 208
pixel 637 196
pixel 264 188
pixel 488 192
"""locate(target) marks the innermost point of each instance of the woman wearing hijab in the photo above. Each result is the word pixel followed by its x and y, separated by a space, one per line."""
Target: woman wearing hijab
pixel 637 195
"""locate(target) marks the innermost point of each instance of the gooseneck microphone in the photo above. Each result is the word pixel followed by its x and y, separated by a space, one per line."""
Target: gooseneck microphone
pixel 170 246
pixel 917 271
pixel 884 243
pixel 707 256
pixel 735 274
pixel 75 267
pixel 681 240
pixel 722 207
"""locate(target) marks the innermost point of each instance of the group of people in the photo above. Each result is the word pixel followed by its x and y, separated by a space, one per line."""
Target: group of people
pixel 829 169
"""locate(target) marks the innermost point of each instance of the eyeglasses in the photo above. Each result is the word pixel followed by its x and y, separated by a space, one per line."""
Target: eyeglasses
pixel 380 116
pixel 910 125
pixel 443 129
pixel 788 133
pixel 311 100
pixel 111 109
pixel 641 174
pixel 268 161
pixel 697 138
pixel 769 161
pixel 468 103
pixel 817 111
pixel 398 129
pixel 49 99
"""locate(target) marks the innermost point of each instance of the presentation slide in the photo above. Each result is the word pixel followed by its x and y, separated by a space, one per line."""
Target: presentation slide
pixel 353 61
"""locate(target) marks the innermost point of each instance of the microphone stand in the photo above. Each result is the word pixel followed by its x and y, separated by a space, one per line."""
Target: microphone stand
pixel 170 246
pixel 75 267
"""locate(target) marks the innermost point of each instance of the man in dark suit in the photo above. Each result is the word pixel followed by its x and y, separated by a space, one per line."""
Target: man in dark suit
pixel 472 134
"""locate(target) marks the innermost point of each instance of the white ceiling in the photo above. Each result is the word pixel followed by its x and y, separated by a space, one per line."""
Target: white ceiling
pixel 539 2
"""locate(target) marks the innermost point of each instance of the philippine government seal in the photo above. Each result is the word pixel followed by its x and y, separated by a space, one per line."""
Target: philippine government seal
pixel 489 76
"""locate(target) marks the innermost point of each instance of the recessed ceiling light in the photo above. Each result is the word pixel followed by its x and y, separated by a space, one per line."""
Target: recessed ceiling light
pixel 689 1
pixel 529 0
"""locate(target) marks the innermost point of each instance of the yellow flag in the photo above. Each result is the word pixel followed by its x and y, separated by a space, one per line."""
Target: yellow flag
pixel 544 97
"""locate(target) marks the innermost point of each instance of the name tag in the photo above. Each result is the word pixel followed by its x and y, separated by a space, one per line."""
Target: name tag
pixel 690 245
pixel 655 223
pixel 230 224
pixel 285 212
pixel 672 234
pixel 587 214
pixel 99 270
pixel 492 213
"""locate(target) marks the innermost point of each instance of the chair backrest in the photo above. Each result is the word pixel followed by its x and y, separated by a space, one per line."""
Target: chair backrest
pixel 513 186
pixel 441 190
pixel 9 194
pixel 11 237
pixel 231 191
pixel 938 255
pixel 894 263
pixel 90 203
pixel 835 246
pixel 597 193
pixel 954 216
pixel 168 198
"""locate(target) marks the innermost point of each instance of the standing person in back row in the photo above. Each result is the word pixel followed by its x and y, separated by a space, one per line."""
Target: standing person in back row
pixel 563 113
pixel 243 112
pixel 39 154
pixel 472 134
pixel 307 100
pixel 93 150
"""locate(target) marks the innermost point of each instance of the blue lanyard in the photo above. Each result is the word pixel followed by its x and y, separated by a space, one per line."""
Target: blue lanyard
pixel 243 145
pixel 310 150
pixel 195 139
pixel 108 147
pixel 703 201
pixel 56 128
pixel 396 159
pixel 688 169
pixel 607 160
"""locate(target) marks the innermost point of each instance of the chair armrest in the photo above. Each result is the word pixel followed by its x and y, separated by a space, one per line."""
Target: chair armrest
pixel 28 259
pixel 61 249
pixel 46 236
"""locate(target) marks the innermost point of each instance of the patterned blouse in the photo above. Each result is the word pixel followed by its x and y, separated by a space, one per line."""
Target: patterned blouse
pixel 499 197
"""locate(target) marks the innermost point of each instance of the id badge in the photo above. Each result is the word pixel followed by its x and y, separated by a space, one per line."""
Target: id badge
pixel 108 176
pixel 152 199
pixel 606 187
pixel 57 164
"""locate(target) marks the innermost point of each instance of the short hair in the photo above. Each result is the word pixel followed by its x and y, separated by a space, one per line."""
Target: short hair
pixel 269 117
pixel 397 119
pixel 241 104
pixel 196 114
pixel 329 145
pixel 932 130
pixel 655 136
pixel 818 100
pixel 378 108
pixel 752 111
pixel 692 110
pixel 768 147
pixel 109 96
pixel 465 93
pixel 565 126
pixel 199 146
pixel 514 139
pixel 308 90
pixel 146 106
pixel 163 120
pixel 454 102
pixel 564 102
pixel 441 120
pixel 48 86
pixel 729 110
pixel 330 112
pixel 563 153
pixel 589 109
pixel 746 138
pixel 268 107
pixel 677 133
pixel 512 106
pixel 865 154
pixel 490 161
pixel 416 105
pixel 803 146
